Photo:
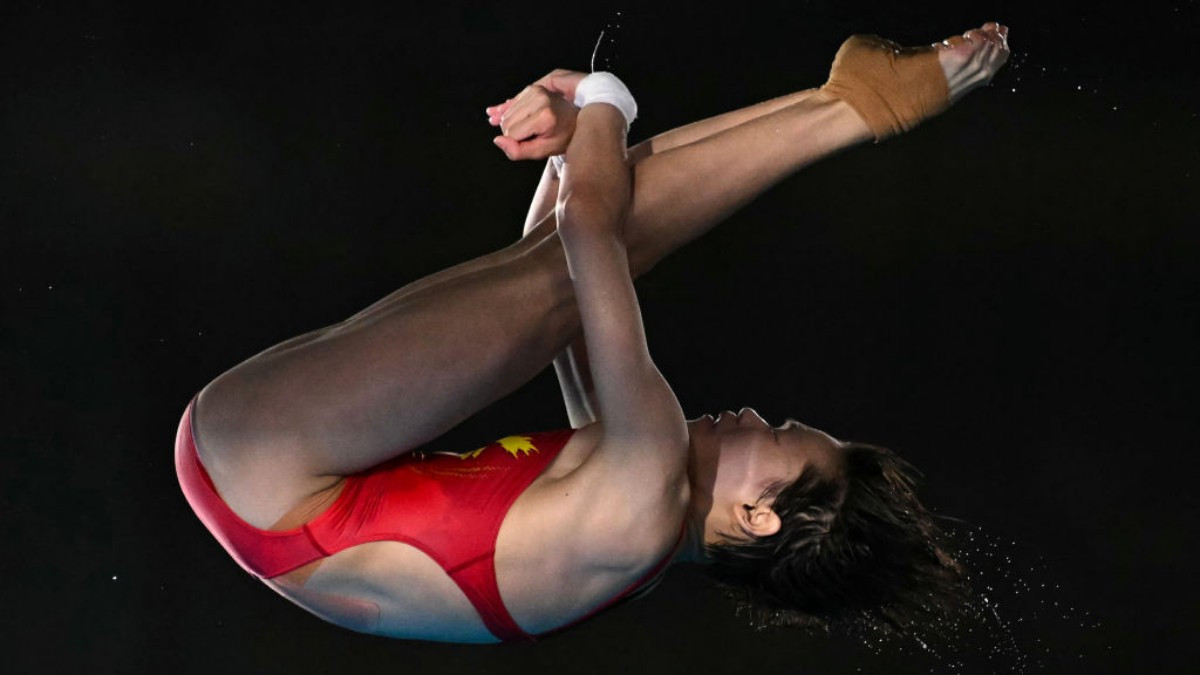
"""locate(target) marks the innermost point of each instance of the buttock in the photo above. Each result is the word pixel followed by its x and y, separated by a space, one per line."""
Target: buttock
pixel 304 513
pixel 262 552
pixel 308 509
pixel 250 477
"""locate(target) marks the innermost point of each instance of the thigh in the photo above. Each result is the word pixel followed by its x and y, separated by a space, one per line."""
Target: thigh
pixel 342 399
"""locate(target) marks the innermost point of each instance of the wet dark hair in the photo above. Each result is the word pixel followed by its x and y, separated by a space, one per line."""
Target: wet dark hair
pixel 855 548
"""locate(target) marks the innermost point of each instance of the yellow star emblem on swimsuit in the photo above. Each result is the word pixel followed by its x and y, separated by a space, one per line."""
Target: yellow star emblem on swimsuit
pixel 513 445
pixel 518 444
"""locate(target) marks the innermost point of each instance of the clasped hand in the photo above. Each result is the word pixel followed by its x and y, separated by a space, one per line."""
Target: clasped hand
pixel 539 121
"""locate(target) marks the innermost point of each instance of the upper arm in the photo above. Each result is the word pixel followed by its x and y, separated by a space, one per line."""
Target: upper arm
pixel 575 381
pixel 544 198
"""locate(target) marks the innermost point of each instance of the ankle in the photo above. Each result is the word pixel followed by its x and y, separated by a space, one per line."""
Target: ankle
pixel 844 117
pixel 832 118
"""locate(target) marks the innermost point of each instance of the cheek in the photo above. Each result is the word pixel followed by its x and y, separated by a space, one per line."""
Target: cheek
pixel 734 467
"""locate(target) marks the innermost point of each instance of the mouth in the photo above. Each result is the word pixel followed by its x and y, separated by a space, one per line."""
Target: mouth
pixel 724 415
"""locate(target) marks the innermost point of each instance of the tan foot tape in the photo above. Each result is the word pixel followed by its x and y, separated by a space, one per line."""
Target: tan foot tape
pixel 892 89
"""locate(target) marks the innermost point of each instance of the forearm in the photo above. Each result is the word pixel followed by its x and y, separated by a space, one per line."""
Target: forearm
pixel 544 198
pixel 593 201
pixel 575 380
pixel 595 169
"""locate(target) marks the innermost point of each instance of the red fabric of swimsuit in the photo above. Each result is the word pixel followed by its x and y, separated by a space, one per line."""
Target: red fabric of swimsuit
pixel 450 506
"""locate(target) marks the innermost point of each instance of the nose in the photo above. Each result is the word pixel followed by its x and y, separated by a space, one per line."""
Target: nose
pixel 753 413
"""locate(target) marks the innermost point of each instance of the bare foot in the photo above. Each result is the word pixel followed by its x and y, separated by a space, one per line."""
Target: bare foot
pixel 971 60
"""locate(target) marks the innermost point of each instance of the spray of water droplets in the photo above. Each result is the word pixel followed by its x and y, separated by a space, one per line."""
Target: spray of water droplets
pixel 604 54
pixel 1021 75
pixel 1015 620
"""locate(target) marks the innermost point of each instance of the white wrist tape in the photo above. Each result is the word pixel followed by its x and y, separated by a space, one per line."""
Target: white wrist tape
pixel 606 88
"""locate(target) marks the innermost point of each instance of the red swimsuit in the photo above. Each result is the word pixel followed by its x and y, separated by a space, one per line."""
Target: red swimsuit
pixel 450 506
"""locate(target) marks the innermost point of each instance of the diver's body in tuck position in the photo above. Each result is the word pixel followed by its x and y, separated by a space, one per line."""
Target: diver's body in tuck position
pixel 309 462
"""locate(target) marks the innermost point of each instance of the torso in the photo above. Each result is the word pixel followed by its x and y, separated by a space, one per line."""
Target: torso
pixel 546 576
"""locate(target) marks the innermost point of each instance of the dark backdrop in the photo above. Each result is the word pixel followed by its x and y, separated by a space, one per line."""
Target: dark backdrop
pixel 1007 296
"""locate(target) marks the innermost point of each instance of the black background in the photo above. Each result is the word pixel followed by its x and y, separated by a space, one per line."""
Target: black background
pixel 1007 296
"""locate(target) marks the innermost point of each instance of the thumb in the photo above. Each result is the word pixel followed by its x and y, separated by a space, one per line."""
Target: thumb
pixel 538 147
pixel 507 145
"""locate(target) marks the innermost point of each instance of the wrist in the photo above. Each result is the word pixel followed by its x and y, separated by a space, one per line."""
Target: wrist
pixel 607 88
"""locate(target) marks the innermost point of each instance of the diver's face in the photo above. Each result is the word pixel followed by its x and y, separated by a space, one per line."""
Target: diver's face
pixel 755 458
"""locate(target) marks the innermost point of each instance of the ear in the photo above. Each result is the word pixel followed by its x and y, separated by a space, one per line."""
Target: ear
pixel 758 519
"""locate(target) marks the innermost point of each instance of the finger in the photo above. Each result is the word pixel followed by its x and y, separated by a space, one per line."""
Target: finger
pixel 536 148
pixel 507 145
pixel 496 112
pixel 498 109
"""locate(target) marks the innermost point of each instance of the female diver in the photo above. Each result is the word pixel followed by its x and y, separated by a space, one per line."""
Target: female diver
pixel 305 461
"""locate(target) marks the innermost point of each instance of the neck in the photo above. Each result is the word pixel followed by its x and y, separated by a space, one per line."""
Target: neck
pixel 701 468
pixel 692 550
